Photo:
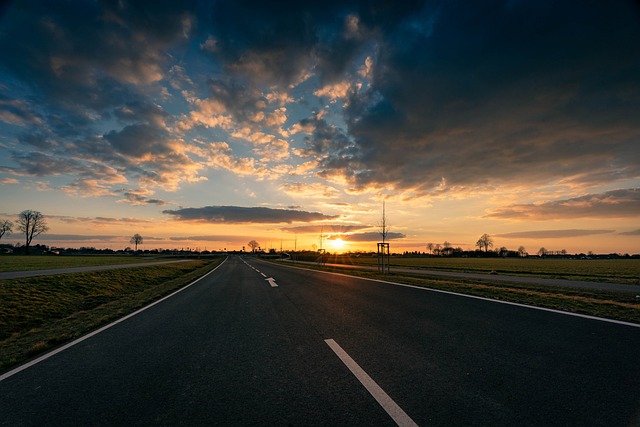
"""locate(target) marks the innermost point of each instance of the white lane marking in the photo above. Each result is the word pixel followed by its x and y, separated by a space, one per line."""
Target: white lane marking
pixel 96 332
pixel 263 275
pixel 395 412
pixel 531 307
pixel 272 282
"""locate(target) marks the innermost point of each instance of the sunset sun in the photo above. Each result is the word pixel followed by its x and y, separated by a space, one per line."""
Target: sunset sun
pixel 338 244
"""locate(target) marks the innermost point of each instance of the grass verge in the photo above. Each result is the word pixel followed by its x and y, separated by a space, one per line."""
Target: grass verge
pixel 623 306
pixel 613 271
pixel 40 313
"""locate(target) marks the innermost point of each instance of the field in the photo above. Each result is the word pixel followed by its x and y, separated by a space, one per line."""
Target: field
pixel 597 270
pixel 40 313
pixel 47 262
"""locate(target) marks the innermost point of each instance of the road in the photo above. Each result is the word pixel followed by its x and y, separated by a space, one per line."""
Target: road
pixel 34 273
pixel 580 284
pixel 255 343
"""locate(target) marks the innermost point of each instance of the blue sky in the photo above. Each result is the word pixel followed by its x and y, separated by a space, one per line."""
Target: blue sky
pixel 208 124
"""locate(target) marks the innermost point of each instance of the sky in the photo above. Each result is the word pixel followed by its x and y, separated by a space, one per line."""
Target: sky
pixel 207 124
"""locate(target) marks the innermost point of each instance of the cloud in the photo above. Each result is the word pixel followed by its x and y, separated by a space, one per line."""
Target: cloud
pixel 310 190
pixel 140 197
pixel 552 234
pixel 240 215
pixel 496 97
pixel 102 221
pixel 372 236
pixel 623 203
pixel 326 228
pixel 630 233
pixel 80 238
pixel 18 112
pixel 209 238
pixel 451 99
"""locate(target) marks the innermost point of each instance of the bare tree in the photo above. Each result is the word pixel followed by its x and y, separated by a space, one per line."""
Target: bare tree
pixel 136 240
pixel 485 241
pixel 383 225
pixel 32 224
pixel 542 251
pixel 430 247
pixel 5 227
pixel 522 251
pixel 253 245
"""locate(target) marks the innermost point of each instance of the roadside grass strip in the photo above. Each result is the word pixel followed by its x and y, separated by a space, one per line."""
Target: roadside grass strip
pixel 42 313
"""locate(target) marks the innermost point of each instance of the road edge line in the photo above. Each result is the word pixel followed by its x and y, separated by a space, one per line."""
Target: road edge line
pixel 517 304
pixel 45 356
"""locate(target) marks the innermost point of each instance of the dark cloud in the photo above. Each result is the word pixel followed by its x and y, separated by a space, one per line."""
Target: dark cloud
pixel 513 93
pixel 137 199
pixel 624 203
pixel 276 42
pixel 138 140
pixel 552 234
pixel 239 215
pixel 40 164
pixel 630 233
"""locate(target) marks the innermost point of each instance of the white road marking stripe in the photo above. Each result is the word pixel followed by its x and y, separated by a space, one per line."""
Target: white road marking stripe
pixel 263 275
pixel 395 412
pixel 272 282
pixel 96 332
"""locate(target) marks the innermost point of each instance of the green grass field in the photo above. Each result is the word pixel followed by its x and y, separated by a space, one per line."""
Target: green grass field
pixel 42 312
pixel 615 270
pixel 47 262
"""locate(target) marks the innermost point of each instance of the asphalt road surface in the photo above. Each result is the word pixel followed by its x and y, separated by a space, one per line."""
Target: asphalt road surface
pixel 580 284
pixel 255 343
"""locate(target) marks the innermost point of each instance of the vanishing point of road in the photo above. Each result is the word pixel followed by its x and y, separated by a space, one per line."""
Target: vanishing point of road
pixel 254 343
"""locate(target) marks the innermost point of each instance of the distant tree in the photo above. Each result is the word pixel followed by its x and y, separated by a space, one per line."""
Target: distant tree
pixel 446 248
pixel 32 224
pixel 522 251
pixel 503 251
pixel 430 247
pixel 5 227
pixel 485 241
pixel 136 240
pixel 436 249
pixel 253 245
pixel 542 251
